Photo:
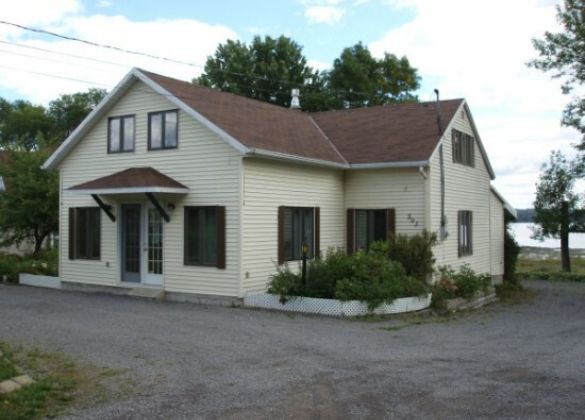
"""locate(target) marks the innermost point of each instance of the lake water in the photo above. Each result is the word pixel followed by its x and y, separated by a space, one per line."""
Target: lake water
pixel 522 234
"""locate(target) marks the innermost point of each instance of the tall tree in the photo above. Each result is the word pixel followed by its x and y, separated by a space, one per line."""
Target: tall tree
pixel 556 203
pixel 368 81
pixel 563 53
pixel 23 125
pixel 29 206
pixel 267 69
pixel 68 111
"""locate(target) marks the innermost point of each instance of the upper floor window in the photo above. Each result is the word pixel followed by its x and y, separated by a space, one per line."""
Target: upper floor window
pixel 121 134
pixel 163 130
pixel 463 148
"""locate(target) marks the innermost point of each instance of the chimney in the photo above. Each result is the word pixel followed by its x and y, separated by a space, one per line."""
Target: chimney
pixel 295 103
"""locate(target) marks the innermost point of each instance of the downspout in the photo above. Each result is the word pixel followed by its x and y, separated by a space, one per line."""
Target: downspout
pixel 443 231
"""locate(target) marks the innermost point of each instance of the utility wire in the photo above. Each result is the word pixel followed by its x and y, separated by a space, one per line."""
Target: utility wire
pixel 55 76
pixel 156 57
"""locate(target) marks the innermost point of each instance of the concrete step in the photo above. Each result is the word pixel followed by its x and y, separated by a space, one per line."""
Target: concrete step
pixel 147 292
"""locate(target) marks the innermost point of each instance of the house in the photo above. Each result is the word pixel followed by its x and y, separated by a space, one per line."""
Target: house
pixel 202 193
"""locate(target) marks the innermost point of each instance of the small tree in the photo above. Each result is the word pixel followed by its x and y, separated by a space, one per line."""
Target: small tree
pixel 29 207
pixel 555 203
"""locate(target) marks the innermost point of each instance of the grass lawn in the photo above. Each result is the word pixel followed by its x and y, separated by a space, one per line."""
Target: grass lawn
pixel 59 383
pixel 548 265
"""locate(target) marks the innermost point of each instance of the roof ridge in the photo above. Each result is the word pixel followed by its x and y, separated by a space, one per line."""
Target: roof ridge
pixel 327 138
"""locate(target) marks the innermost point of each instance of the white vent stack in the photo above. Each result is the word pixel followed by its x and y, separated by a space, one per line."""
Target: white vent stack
pixel 295 103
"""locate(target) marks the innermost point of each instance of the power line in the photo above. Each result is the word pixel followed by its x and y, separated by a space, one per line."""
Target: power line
pixel 172 60
pixel 36 57
pixel 55 76
pixel 96 44
pixel 81 57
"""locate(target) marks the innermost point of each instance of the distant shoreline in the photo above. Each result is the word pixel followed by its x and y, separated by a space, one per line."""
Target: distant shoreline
pixel 533 252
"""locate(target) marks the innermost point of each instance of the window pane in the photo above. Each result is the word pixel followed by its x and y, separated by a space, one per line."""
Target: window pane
pixel 155 131
pixel 361 229
pixel 94 229
pixel 193 253
pixel 308 231
pixel 210 236
pixel 81 230
pixel 288 234
pixel 379 225
pixel 114 135
pixel 296 234
pixel 128 134
pixel 171 129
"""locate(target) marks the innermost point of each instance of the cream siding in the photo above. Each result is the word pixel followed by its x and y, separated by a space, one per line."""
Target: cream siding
pixel 466 188
pixel 400 189
pixel 203 162
pixel 497 226
pixel 270 184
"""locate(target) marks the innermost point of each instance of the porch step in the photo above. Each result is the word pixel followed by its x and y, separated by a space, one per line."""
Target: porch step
pixel 148 293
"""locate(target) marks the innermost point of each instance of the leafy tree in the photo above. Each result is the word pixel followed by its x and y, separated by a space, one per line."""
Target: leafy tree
pixel 29 206
pixel 556 203
pixel 266 70
pixel 68 111
pixel 368 81
pixel 563 53
pixel 22 125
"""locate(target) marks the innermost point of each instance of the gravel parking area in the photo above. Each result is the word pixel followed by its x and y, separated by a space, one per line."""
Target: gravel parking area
pixel 193 361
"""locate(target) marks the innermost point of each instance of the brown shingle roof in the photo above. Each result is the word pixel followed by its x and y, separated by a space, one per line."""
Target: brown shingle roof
pixel 253 123
pixel 146 177
pixel 404 132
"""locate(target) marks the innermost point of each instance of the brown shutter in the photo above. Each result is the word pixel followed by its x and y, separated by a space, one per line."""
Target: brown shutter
pixel 470 230
pixel 459 234
pixel 220 217
pixel 350 246
pixel 317 232
pixel 71 233
pixel 281 235
pixel 391 215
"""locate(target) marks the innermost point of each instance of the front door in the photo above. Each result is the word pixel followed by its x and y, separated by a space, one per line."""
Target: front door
pixel 142 244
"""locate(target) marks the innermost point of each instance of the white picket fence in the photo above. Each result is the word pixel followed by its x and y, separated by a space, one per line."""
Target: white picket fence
pixel 334 307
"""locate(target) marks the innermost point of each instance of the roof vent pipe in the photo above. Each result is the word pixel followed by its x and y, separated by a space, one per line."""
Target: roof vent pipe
pixel 295 103
pixel 438 109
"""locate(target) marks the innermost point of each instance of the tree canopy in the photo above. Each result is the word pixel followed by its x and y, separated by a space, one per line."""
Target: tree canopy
pixel 29 207
pixel 268 69
pixel 563 54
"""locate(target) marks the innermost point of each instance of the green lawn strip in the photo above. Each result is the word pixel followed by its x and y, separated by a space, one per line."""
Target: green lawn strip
pixel 7 368
pixel 59 384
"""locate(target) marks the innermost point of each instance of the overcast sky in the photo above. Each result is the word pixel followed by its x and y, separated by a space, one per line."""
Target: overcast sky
pixel 470 49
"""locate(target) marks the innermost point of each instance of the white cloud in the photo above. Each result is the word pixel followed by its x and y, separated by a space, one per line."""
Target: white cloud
pixel 318 65
pixel 162 37
pixel 103 4
pixel 324 14
pixel 478 50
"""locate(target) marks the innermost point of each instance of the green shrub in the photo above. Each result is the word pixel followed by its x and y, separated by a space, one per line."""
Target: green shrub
pixel 511 252
pixel 12 265
pixel 415 253
pixel 285 283
pixel 323 274
pixel 465 283
pixel 376 280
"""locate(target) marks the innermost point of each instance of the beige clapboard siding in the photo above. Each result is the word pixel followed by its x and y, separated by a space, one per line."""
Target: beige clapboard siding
pixel 497 226
pixel 203 162
pixel 401 189
pixel 270 184
pixel 466 188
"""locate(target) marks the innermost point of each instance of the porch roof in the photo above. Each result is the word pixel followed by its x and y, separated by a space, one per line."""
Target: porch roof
pixel 130 181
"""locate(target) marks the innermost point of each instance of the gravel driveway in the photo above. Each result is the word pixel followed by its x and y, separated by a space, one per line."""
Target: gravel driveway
pixel 193 361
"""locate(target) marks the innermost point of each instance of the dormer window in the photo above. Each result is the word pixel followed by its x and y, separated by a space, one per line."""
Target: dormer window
pixel 163 130
pixel 121 134
pixel 463 148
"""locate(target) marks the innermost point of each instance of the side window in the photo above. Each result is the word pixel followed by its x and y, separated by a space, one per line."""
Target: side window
pixel 121 134
pixel 163 130
pixel 297 226
pixel 204 236
pixel 463 148
pixel 465 228
pixel 84 233
pixel 369 225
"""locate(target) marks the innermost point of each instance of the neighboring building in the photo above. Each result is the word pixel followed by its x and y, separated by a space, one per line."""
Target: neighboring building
pixel 203 192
